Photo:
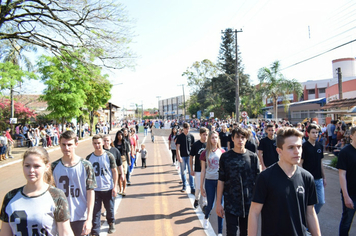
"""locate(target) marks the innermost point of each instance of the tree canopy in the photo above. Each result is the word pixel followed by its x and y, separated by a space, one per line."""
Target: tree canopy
pixel 100 26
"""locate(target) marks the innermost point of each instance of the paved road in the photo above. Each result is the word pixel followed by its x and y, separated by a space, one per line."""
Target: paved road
pixel 154 204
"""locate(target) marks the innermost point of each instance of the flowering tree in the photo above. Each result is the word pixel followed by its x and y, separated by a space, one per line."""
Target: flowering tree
pixel 22 113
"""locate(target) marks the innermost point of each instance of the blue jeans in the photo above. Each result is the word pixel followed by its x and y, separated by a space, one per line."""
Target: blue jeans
pixel 319 185
pixel 183 164
pixel 210 189
pixel 346 217
pixel 106 198
pixel 146 131
pixel 132 162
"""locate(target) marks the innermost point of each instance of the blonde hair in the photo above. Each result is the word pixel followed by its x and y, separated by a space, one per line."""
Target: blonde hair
pixel 43 154
pixel 209 147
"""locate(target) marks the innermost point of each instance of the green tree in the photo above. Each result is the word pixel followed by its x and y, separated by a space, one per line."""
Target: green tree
pixel 98 93
pixel 200 73
pixel 225 83
pixel 274 85
pixel 66 88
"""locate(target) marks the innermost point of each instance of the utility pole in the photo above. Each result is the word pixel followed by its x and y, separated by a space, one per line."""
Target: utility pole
pixel 183 101
pixel 158 97
pixel 339 80
pixel 237 102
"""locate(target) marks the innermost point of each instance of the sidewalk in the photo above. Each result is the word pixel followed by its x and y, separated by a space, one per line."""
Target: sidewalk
pixel 17 152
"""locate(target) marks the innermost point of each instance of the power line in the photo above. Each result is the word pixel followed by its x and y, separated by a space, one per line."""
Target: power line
pixel 319 54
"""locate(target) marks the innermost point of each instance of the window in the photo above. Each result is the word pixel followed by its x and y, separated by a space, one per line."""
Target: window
pixel 311 91
pixel 322 90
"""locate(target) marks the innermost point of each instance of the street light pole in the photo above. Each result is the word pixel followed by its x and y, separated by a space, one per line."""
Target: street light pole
pixel 159 115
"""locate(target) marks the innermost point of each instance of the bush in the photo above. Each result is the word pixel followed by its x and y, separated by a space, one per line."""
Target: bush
pixel 333 162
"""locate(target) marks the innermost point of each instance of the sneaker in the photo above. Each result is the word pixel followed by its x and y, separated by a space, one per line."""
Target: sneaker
pixel 220 235
pixel 183 190
pixel 128 183
pixel 111 228
pixel 206 223
pixel 192 191
pixel 123 194
pixel 104 213
pixel 203 209
pixel 196 204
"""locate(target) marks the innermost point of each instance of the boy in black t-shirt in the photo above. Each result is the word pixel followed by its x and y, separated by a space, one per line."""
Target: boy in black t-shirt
pixel 347 175
pixel 238 169
pixel 267 149
pixel 184 144
pixel 312 161
pixel 197 148
pixel 285 193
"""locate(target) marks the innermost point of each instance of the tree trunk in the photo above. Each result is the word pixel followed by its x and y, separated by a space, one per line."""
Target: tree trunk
pixel 91 119
pixel 63 124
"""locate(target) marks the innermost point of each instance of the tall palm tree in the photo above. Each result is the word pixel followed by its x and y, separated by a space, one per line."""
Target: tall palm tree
pixel 12 51
pixel 274 85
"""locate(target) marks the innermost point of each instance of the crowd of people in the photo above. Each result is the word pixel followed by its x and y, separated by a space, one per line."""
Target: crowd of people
pixel 70 192
pixel 273 170
pixel 250 170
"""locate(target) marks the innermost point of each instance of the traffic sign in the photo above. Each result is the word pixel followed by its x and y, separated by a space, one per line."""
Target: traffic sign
pixel 244 114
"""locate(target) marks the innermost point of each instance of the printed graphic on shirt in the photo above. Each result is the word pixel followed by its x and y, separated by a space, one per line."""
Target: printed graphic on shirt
pixel 35 215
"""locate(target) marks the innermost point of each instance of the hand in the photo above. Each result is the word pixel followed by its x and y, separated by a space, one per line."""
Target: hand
pixel 348 202
pixel 87 227
pixel 192 173
pixel 122 178
pixel 114 192
pixel 263 167
pixel 220 210
pixel 202 191
pixel 324 182
pixel 179 159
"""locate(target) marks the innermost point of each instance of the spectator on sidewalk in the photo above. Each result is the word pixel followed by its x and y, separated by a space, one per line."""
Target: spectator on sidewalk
pixel 10 143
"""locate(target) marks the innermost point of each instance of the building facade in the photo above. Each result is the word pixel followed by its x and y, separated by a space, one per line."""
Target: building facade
pixel 173 108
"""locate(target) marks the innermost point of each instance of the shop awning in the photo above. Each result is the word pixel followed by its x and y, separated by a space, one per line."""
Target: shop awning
pixel 341 103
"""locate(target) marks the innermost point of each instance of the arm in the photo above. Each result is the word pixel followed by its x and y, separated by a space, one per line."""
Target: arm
pixel 202 178
pixel 191 160
pixel 90 206
pixel 255 211
pixel 219 193
pixel 260 156
pixel 178 153
pixel 312 221
pixel 5 229
pixel 343 184
pixel 64 228
pixel 115 178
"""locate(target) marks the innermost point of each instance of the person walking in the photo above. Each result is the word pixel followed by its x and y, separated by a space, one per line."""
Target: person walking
pixel 210 158
pixel 37 208
pixel 347 176
pixel 184 144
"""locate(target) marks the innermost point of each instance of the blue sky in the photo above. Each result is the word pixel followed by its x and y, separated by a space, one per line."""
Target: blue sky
pixel 171 35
